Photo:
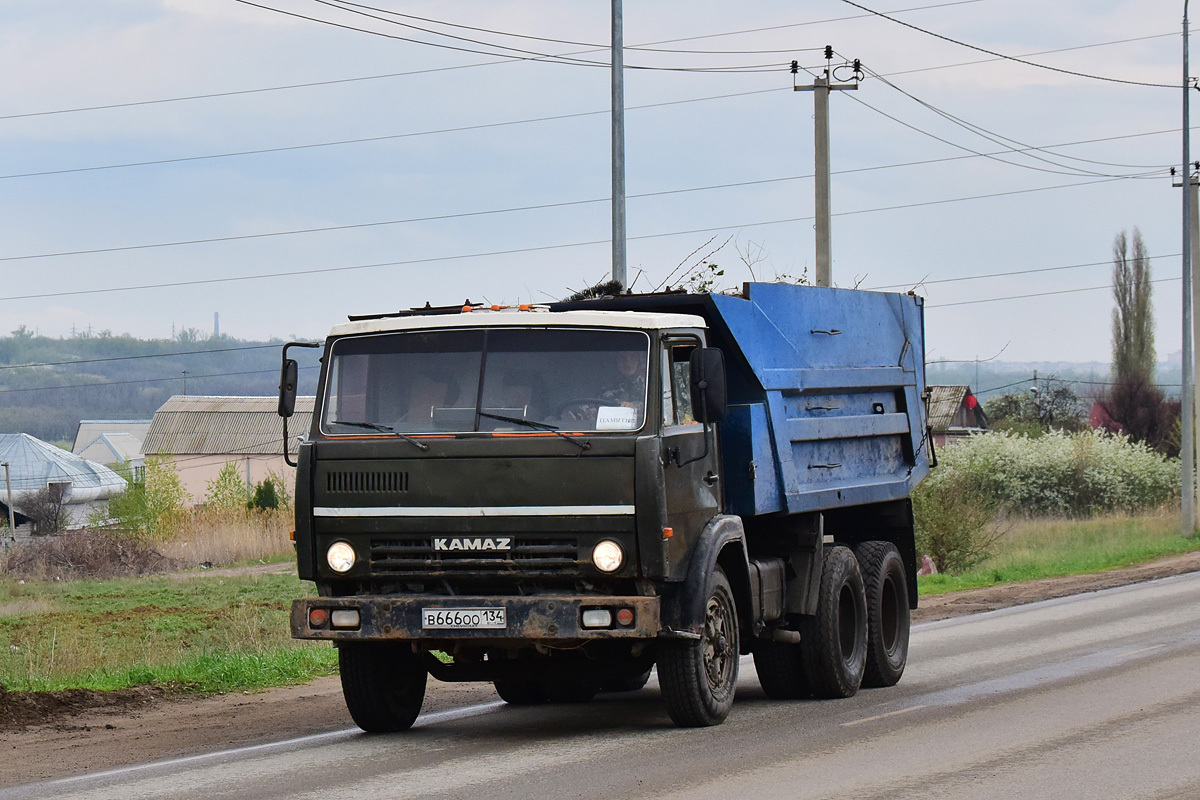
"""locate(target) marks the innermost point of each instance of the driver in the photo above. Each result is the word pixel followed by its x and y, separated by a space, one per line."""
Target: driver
pixel 629 387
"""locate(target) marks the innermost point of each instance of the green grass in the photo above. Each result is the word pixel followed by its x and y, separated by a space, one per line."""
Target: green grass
pixel 197 633
pixel 1048 548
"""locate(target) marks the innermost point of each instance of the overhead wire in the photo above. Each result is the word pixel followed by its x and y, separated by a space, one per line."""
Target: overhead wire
pixel 1066 169
pixel 531 56
pixel 1008 57
pixel 540 248
pixel 1000 139
pixel 385 137
pixel 311 84
pixel 513 209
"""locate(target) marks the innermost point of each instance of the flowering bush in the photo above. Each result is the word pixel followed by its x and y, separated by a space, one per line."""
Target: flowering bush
pixel 1056 474
pixel 1071 474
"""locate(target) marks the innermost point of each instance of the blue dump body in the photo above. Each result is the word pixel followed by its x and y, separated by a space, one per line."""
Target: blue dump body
pixel 827 407
pixel 825 393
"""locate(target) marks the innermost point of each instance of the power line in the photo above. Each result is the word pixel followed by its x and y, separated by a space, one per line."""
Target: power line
pixel 533 207
pixel 1037 53
pixel 385 137
pixel 1036 294
pixel 994 156
pixel 311 84
pixel 1000 139
pixel 138 356
pixel 541 248
pixel 1032 271
pixel 530 55
pixel 1007 57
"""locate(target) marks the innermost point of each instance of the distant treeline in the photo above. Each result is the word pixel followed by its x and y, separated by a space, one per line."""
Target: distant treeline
pixel 48 385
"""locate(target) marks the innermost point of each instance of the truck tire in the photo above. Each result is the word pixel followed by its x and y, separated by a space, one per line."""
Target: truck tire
pixel 383 684
pixel 833 643
pixel 625 683
pixel 888 622
pixel 780 670
pixel 520 693
pixel 698 678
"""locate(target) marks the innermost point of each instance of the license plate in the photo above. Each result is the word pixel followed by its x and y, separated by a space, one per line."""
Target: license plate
pixel 471 619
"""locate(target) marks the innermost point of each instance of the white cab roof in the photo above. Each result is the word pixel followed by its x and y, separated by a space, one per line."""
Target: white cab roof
pixel 523 319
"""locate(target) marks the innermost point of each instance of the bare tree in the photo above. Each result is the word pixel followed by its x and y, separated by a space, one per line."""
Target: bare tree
pixel 45 508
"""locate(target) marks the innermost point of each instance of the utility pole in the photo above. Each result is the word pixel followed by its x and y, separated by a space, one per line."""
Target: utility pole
pixel 821 87
pixel 1187 453
pixel 618 146
pixel 12 525
pixel 1194 226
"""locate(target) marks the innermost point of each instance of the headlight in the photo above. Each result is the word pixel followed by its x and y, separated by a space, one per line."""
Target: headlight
pixel 340 557
pixel 608 556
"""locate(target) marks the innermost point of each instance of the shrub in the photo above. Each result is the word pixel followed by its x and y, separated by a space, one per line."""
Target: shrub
pixel 154 508
pixel 227 491
pixel 1055 474
pixel 956 523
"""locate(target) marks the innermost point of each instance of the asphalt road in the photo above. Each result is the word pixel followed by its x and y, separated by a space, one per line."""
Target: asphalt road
pixel 1093 696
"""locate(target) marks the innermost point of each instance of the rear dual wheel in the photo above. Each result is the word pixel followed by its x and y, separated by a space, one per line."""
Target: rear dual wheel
pixel 888 617
pixel 831 656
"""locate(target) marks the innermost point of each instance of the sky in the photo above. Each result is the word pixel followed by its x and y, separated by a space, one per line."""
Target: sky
pixel 162 161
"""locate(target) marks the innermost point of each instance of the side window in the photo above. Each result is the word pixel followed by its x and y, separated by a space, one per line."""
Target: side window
pixel 677 384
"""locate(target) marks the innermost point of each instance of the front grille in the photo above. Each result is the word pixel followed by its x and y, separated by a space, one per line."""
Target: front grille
pixel 415 557
pixel 360 481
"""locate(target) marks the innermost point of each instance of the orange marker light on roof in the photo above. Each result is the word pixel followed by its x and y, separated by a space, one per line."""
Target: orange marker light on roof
pixel 523 307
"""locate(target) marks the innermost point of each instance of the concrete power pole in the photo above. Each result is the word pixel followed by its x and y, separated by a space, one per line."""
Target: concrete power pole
pixel 618 146
pixel 1194 230
pixel 821 87
pixel 1187 452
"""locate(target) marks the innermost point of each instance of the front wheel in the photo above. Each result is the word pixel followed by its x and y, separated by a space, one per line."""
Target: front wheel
pixel 698 677
pixel 383 684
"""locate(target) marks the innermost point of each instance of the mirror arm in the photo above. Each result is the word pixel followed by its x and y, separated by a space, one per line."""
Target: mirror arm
pixel 286 455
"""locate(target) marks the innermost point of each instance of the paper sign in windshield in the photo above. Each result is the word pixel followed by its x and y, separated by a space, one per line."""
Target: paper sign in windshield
pixel 616 418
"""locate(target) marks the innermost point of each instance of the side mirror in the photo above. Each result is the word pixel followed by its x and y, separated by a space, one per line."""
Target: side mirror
pixel 287 387
pixel 709 401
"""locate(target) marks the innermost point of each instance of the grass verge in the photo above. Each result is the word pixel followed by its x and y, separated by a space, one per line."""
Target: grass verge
pixel 202 634
pixel 1049 548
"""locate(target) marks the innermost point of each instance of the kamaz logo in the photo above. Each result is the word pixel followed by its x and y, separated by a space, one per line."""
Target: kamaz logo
pixel 477 543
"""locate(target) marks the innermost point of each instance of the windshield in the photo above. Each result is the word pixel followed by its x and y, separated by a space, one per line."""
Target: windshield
pixel 461 381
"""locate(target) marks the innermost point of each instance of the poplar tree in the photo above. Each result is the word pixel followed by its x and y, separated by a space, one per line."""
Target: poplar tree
pixel 1133 316
pixel 1135 405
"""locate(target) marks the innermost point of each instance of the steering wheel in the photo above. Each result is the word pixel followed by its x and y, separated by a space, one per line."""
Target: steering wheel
pixel 579 404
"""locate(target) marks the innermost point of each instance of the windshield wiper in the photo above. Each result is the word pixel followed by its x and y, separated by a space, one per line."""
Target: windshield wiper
pixel 375 426
pixel 541 426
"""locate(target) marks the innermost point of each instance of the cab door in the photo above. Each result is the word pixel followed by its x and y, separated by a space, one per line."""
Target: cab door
pixel 693 490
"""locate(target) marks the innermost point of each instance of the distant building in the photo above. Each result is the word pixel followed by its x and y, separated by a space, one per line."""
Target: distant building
pixel 112 442
pixel 34 465
pixel 203 434
pixel 954 411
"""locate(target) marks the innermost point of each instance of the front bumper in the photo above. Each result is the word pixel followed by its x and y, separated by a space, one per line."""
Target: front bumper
pixel 556 619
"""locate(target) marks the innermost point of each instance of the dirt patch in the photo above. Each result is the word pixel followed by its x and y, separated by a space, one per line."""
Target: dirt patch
pixel 22 709
pixel 990 598
pixel 69 733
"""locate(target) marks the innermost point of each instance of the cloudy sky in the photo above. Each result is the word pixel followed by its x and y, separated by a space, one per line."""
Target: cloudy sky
pixel 288 162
